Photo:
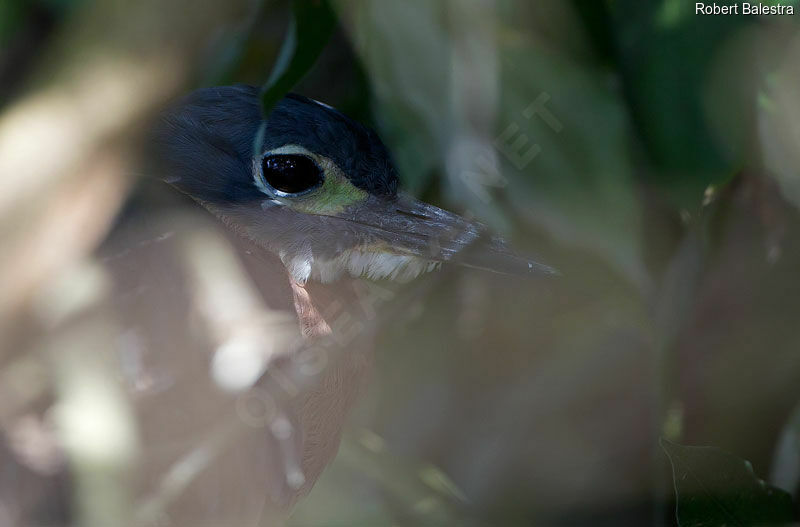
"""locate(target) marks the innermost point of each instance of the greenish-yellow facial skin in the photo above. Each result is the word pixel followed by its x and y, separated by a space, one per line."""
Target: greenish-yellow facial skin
pixel 331 199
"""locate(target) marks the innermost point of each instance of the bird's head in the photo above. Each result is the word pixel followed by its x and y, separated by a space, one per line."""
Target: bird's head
pixel 318 189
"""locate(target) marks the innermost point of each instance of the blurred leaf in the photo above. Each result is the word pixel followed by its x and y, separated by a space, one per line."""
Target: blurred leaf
pixel 595 16
pixel 786 463
pixel 665 53
pixel 23 15
pixel 310 28
pixel 465 103
pixel 779 121
pixel 406 494
pixel 573 173
pixel 11 15
pixel 404 48
pixel 436 479
pixel 714 488
pixel 229 51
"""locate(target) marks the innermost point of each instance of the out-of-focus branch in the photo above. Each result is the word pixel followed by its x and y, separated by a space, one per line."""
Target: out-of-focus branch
pixel 95 423
pixel 66 150
pixel 65 146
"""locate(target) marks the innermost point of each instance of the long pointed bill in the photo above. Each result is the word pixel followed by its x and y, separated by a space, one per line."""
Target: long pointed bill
pixel 412 227
pixel 377 238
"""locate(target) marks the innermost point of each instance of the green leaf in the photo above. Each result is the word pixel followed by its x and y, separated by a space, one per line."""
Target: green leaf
pixel 785 469
pixel 779 122
pixel 578 183
pixel 666 55
pixel 463 101
pixel 714 488
pixel 310 29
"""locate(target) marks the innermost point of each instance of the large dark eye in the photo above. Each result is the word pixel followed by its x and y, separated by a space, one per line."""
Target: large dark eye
pixel 291 173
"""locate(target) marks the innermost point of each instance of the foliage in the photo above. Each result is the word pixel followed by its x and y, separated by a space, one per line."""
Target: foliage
pixel 649 153
pixel 716 488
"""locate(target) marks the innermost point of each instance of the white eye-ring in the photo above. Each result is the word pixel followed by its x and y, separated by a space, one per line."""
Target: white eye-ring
pixel 288 171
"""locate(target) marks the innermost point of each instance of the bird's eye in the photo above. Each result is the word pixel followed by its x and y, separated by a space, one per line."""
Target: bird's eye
pixel 291 174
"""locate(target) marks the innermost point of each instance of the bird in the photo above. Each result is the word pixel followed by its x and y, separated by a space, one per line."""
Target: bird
pixel 316 193
pixel 320 191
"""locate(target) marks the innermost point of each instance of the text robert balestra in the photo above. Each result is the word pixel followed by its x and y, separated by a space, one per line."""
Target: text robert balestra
pixel 744 8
